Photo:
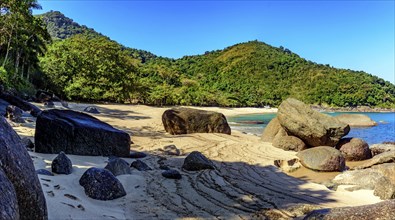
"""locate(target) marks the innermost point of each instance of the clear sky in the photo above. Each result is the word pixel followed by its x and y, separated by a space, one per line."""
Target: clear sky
pixel 357 35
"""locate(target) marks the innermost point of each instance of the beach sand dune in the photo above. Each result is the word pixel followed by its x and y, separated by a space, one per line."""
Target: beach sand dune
pixel 244 182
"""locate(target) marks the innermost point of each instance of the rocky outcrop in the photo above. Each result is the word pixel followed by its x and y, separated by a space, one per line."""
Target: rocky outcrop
pixel 187 120
pixel 25 106
pixel 381 178
pixel 62 164
pixel 8 203
pixel 322 158
pixel 314 128
pixel 78 133
pixel 18 167
pixel 290 143
pixel 386 157
pixel 356 120
pixel 118 166
pixel 196 161
pixel 273 130
pixel 381 148
pixel 101 184
pixel 379 211
pixel 354 149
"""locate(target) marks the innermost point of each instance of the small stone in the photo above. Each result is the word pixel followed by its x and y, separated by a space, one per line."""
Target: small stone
pixel 197 161
pixel 44 172
pixel 26 142
pixel 62 164
pixel 91 109
pixel 118 166
pixel 137 155
pixel 140 165
pixel 171 150
pixel 172 174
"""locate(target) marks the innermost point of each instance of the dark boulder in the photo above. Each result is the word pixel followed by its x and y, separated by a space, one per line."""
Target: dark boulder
pixel 49 104
pixel 140 165
pixel 14 114
pixel 322 158
pixel 379 211
pixel 196 161
pixel 314 128
pixel 44 172
pixel 137 155
pixel 91 109
pixel 171 174
pixel 187 120
pixel 27 143
pixel 78 133
pixel 118 166
pixel 273 130
pixel 101 184
pixel 290 143
pixel 8 203
pixel 62 164
pixel 354 149
pixel 18 167
pixel 43 96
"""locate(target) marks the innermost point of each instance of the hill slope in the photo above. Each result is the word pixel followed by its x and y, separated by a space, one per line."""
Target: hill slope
pixel 246 74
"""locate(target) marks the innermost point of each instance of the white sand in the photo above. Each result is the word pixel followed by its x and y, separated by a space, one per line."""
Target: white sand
pixel 244 182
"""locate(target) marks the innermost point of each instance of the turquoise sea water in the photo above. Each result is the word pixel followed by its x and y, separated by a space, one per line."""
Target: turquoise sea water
pixel 384 131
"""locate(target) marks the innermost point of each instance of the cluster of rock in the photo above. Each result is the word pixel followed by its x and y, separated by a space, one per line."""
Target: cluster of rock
pixel 318 138
pixel 188 120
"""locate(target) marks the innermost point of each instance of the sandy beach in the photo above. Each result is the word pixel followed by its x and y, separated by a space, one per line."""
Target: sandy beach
pixel 244 182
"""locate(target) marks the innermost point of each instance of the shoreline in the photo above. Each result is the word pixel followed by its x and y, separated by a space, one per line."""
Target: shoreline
pixel 245 174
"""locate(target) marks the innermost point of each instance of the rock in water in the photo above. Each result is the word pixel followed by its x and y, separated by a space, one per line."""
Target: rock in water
pixel 101 184
pixel 172 174
pixel 8 204
pixel 314 128
pixel 140 165
pixel 356 120
pixel 78 133
pixel 273 130
pixel 196 161
pixel 62 164
pixel 354 149
pixel 187 120
pixel 289 143
pixel 118 166
pixel 322 159
pixel 18 167
pixel 379 211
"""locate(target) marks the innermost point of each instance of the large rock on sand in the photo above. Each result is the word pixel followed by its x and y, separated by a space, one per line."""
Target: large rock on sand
pixel 18 167
pixel 187 120
pixel 379 211
pixel 314 128
pixel 354 149
pixel 273 130
pixel 196 161
pixel 78 133
pixel 322 159
pixel 8 204
pixel 356 120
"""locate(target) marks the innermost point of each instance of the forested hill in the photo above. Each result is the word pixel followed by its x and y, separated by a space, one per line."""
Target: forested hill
pixel 94 68
pixel 61 27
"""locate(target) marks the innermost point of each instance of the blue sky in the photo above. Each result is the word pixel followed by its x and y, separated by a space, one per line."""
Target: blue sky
pixel 356 35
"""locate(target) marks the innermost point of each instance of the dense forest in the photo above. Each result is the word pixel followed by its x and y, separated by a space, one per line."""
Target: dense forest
pixel 77 63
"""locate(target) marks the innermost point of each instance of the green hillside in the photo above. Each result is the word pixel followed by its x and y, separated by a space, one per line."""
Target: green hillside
pixel 81 64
